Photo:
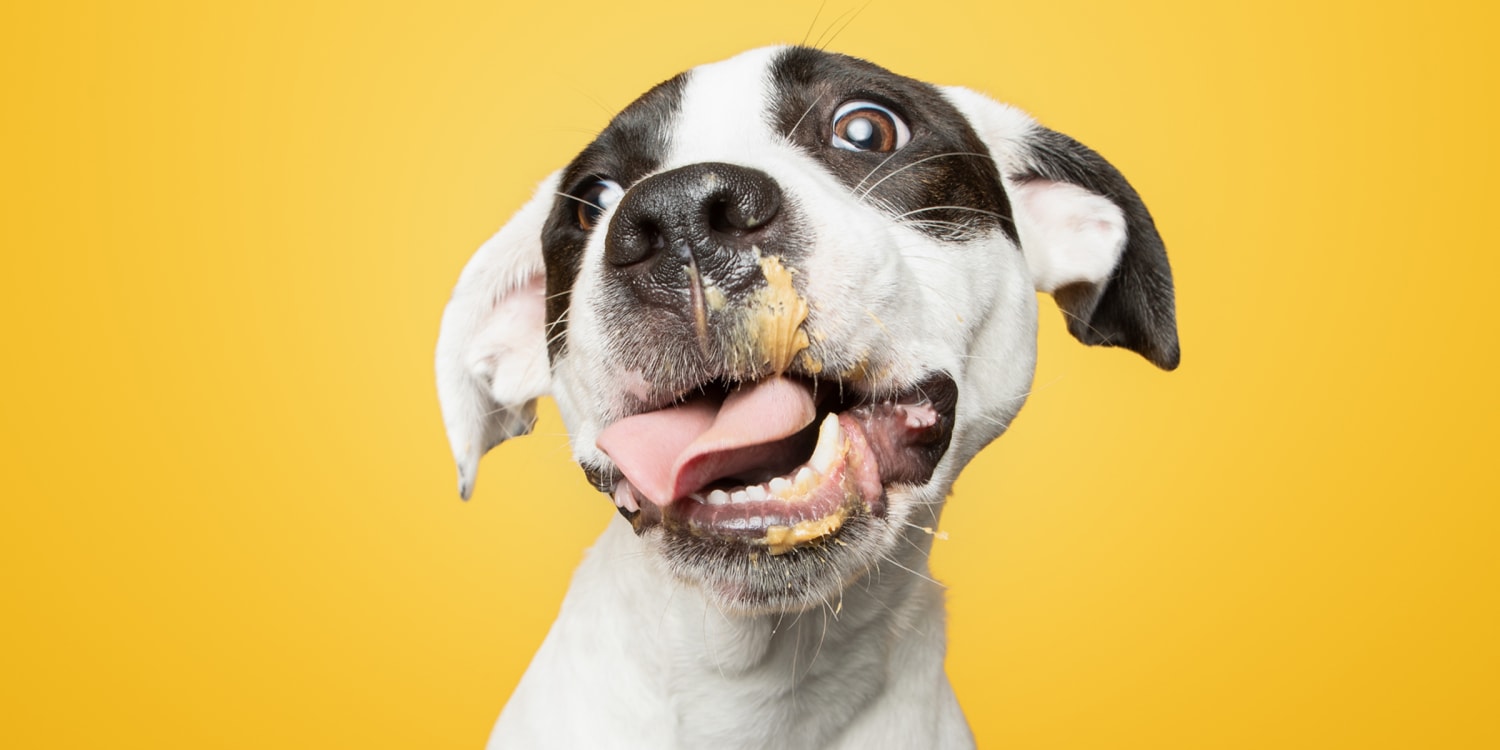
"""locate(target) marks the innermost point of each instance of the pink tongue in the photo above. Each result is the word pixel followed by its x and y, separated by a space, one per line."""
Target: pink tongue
pixel 668 453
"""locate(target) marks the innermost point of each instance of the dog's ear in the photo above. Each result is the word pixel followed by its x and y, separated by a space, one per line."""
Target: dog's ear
pixel 492 347
pixel 1087 237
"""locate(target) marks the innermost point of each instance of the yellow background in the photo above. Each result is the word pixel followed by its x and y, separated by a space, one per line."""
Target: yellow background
pixel 229 516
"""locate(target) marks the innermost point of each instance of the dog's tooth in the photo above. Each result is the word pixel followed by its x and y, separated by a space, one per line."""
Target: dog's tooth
pixel 756 493
pixel 780 485
pixel 718 497
pixel 805 477
pixel 830 441
pixel 739 496
pixel 625 498
pixel 919 416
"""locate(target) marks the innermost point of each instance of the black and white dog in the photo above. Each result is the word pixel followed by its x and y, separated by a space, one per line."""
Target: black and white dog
pixel 781 300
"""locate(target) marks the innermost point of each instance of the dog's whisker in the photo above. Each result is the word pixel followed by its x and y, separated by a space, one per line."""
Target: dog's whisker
pixel 926 578
pixel 823 636
pixel 814 23
pixel 846 24
pixel 873 170
pixel 971 209
pixel 925 553
pixel 792 130
pixel 708 641
pixel 929 530
pixel 607 110
pixel 923 160
pixel 572 197
pixel 818 43
pixel 1086 324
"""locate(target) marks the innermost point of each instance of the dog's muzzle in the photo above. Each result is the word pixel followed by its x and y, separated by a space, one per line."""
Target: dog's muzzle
pixel 755 445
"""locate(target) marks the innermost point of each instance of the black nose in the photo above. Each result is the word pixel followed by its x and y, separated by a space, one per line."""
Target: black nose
pixel 708 214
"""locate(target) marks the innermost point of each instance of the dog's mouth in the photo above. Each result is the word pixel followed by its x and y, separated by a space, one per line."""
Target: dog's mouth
pixel 776 463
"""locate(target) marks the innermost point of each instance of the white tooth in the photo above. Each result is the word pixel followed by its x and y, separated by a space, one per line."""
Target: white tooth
pixel 804 477
pixel 756 493
pixel 780 485
pixel 739 497
pixel 718 497
pixel 830 439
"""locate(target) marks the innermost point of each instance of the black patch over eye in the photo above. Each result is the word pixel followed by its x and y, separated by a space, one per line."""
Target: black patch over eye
pixel 596 198
pixel 867 126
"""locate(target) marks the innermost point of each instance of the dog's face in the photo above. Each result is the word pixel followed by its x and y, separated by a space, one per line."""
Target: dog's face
pixel 781 300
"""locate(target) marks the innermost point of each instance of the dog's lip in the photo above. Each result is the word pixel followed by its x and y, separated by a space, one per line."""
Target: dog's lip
pixel 898 439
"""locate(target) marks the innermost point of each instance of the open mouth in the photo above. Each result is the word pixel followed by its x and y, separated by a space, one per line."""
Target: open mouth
pixel 776 463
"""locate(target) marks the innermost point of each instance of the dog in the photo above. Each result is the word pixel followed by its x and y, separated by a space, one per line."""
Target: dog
pixel 781 300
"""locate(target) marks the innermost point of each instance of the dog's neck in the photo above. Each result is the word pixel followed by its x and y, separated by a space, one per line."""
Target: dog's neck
pixel 659 656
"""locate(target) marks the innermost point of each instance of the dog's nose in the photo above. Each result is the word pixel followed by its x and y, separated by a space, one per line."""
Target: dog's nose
pixel 709 214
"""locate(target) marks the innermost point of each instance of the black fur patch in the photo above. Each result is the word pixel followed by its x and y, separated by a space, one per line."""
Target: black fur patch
pixel 629 149
pixel 943 183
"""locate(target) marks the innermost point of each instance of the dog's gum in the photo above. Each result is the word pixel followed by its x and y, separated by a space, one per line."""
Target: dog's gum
pixel 776 315
pixel 782 539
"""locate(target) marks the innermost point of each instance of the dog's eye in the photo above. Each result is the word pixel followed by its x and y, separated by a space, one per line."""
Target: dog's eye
pixel 867 126
pixel 598 197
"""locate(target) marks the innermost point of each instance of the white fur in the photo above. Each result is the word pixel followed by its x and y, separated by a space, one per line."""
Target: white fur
pixel 490 370
pixel 652 664
pixel 637 658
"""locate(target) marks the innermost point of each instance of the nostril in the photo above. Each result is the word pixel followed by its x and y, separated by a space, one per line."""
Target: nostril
pixel 652 237
pixel 718 218
pixel 635 242
pixel 742 214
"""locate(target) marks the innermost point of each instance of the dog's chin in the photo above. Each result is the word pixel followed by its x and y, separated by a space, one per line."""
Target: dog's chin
pixel 743 578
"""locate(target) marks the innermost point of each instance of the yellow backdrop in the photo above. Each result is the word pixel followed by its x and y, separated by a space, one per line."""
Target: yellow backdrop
pixel 229 516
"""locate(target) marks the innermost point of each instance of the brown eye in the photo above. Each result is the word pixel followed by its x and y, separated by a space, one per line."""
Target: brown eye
pixel 596 198
pixel 867 126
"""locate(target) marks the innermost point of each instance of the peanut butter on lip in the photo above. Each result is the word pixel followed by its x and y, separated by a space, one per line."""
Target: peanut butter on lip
pixel 781 539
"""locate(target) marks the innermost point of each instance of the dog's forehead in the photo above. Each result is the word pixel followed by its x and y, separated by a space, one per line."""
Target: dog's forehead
pixel 724 109
pixel 758 99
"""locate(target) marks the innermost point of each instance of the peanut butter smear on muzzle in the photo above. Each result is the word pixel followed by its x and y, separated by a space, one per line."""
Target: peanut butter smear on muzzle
pixel 772 327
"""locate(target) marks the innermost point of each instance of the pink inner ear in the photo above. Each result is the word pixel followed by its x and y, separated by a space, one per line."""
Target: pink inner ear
pixel 1068 234
pixel 511 347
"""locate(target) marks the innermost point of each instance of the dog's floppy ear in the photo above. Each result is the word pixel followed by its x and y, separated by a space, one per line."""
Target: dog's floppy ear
pixel 1088 239
pixel 492 347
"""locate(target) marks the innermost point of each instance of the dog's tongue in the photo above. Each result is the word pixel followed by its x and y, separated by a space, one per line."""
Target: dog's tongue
pixel 668 453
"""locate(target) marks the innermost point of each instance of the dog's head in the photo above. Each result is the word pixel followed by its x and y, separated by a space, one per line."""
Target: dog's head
pixel 781 300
